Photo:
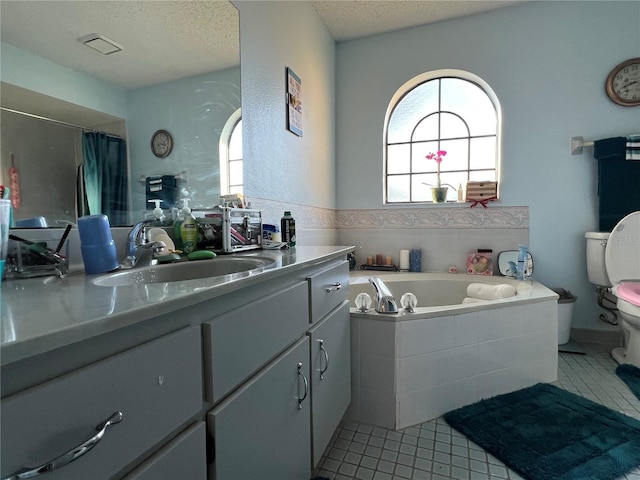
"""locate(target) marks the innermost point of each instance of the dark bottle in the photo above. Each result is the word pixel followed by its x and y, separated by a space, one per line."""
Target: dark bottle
pixel 288 229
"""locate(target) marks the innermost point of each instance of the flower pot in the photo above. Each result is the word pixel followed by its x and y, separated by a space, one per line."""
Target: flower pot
pixel 439 194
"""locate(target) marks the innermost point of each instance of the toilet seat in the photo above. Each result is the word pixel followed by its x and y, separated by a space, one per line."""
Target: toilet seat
pixel 629 292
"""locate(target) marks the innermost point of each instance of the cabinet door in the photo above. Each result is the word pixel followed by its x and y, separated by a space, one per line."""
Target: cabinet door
pixel 262 431
pixel 157 387
pixel 184 457
pixel 328 289
pixel 239 343
pixel 330 376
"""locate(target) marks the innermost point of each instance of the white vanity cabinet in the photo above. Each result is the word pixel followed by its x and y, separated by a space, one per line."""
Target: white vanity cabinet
pixel 240 342
pixel 276 422
pixel 330 376
pixel 157 387
pixel 183 457
pixel 244 381
pixel 330 353
pixel 262 431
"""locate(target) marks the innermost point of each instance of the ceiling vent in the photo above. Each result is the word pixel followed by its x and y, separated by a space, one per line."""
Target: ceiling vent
pixel 100 43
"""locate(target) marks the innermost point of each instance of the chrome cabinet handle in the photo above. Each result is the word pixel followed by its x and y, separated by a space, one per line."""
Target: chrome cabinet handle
pixel 69 456
pixel 306 386
pixel 333 288
pixel 326 359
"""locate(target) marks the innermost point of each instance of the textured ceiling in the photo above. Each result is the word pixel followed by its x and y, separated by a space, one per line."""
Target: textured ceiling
pixel 351 19
pixel 171 39
pixel 162 40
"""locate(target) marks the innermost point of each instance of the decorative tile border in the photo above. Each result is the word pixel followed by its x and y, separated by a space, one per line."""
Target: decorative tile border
pixel 306 217
pixel 458 216
pixel 440 217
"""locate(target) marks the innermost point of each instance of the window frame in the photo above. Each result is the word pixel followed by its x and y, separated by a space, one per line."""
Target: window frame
pixel 415 82
pixel 223 151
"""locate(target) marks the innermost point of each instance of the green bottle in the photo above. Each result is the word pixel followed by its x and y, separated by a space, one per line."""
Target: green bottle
pixel 185 230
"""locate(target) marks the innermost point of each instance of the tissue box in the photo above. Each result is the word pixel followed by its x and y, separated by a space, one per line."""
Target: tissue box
pixel 480 263
pixel 228 230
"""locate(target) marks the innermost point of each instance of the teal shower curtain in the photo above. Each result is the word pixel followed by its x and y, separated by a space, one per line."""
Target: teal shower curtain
pixel 105 176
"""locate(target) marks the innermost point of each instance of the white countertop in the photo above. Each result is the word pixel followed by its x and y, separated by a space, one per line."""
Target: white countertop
pixel 45 313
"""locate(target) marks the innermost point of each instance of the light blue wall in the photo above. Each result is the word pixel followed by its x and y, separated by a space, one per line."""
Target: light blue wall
pixel 194 111
pixel 279 165
pixel 21 68
pixel 547 63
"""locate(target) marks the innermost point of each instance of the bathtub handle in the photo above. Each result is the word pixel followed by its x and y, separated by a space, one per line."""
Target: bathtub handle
pixel 306 386
pixel 326 359
pixel 334 288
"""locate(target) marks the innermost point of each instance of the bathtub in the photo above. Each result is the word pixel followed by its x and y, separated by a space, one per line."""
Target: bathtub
pixel 408 368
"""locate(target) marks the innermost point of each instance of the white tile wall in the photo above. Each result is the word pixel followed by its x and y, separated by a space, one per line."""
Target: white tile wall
pixel 446 234
pixel 408 372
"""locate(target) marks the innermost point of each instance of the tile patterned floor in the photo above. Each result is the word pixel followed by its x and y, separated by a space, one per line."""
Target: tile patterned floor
pixel 434 451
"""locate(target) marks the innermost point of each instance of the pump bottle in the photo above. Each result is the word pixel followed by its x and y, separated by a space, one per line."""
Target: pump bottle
pixel 158 214
pixel 185 229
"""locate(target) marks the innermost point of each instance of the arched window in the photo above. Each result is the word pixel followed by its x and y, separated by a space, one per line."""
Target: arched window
pixel 231 173
pixel 448 110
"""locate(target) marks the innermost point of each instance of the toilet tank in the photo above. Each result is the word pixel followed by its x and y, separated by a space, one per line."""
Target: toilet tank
pixel 596 268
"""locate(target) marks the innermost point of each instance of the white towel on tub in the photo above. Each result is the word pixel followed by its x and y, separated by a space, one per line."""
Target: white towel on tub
pixel 474 300
pixel 487 291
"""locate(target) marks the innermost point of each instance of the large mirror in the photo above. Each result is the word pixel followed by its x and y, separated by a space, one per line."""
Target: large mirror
pixel 178 69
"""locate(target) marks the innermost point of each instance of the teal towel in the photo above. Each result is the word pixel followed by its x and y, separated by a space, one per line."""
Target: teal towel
pixel 633 147
pixel 618 181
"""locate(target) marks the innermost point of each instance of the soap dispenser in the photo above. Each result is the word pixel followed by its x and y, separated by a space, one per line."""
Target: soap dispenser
pixel 185 229
pixel 158 214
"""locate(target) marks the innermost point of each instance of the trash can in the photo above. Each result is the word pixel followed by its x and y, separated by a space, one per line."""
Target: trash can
pixel 565 314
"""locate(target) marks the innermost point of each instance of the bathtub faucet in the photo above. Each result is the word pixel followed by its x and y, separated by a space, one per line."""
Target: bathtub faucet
pixel 385 303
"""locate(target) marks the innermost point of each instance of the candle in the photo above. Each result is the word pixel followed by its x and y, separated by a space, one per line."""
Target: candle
pixel 378 259
pixel 369 260
pixel 404 259
pixel 389 260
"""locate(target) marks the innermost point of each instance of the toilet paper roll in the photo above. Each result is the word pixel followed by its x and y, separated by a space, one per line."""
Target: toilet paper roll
pixel 485 291
pixel 404 259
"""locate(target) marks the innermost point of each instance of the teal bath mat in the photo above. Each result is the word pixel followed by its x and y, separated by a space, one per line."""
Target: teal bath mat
pixel 544 432
pixel 631 376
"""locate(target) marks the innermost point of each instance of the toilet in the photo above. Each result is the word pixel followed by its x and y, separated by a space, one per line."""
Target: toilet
pixel 613 263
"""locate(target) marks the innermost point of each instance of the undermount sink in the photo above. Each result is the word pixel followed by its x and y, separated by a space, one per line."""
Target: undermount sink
pixel 177 272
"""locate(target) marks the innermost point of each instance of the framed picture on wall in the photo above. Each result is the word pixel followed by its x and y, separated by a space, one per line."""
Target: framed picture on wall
pixel 294 102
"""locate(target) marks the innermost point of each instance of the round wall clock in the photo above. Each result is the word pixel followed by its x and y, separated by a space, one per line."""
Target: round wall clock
pixel 161 143
pixel 623 83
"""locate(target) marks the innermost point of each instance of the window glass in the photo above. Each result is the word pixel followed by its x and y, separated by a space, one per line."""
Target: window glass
pixel 414 106
pixel 450 111
pixel 398 158
pixel 230 153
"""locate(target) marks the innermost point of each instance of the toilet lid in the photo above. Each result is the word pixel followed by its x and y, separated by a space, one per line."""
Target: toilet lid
pixel 622 255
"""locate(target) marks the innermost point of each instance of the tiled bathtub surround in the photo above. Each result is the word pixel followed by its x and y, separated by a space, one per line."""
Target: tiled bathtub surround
pixel 408 372
pixel 445 233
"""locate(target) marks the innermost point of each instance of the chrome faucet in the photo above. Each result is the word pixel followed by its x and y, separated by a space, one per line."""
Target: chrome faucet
pixel 384 303
pixel 140 252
